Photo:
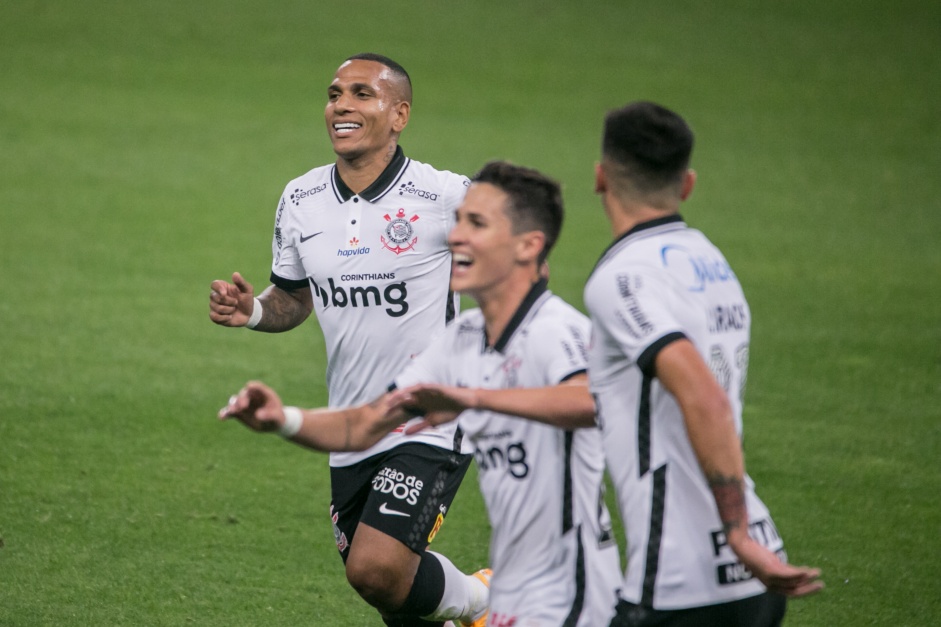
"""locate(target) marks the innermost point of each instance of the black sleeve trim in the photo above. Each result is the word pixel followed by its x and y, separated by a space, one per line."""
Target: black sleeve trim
pixel 573 374
pixel 289 285
pixel 647 359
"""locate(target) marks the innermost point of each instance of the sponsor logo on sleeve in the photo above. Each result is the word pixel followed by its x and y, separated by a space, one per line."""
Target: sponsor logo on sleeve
pixel 300 194
pixel 631 314
pixel 410 189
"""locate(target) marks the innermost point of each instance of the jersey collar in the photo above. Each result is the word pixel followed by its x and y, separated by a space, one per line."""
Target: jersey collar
pixel 674 218
pixel 381 186
pixel 538 289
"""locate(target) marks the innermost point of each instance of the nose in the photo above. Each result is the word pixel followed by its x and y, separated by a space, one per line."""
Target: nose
pixel 455 236
pixel 342 103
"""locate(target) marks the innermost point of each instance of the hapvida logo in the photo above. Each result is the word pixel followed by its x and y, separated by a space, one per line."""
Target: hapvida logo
pixel 355 249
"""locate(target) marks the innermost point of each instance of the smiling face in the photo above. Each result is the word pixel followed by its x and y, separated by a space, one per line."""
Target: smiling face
pixel 485 251
pixel 367 108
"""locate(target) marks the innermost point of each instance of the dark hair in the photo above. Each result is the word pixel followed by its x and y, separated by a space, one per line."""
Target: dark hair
pixel 651 144
pixel 535 199
pixel 397 69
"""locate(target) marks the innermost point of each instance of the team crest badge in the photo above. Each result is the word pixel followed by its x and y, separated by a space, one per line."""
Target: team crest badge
pixel 340 537
pixel 399 232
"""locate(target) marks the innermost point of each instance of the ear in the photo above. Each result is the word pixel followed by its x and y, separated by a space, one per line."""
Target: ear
pixel 402 112
pixel 689 181
pixel 529 246
pixel 601 182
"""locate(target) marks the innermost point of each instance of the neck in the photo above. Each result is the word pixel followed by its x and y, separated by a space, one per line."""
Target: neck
pixel 359 172
pixel 499 303
pixel 625 215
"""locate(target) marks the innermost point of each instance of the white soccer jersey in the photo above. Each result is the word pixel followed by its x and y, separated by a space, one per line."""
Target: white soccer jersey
pixel 551 551
pixel 660 282
pixel 378 267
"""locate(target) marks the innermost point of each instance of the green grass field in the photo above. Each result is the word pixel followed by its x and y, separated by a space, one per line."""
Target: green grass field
pixel 143 147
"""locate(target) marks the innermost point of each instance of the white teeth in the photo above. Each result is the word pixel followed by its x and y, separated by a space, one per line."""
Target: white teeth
pixel 346 127
pixel 462 259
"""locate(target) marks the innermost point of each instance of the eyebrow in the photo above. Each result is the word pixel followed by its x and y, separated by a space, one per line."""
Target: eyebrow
pixel 352 87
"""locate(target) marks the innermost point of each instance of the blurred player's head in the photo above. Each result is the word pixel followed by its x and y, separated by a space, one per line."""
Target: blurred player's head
pixel 368 106
pixel 507 224
pixel 534 200
pixel 646 150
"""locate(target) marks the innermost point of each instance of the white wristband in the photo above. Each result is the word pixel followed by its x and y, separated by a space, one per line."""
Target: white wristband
pixel 255 318
pixel 293 419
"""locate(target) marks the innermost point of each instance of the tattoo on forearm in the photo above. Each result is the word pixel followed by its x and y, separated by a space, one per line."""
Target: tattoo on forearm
pixel 729 493
pixel 281 312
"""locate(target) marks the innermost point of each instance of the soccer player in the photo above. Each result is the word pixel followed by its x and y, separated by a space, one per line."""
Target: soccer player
pixel 363 242
pixel 522 353
pixel 667 365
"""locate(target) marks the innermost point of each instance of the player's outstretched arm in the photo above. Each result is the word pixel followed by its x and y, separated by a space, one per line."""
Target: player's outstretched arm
pixel 568 405
pixel 232 305
pixel 709 424
pixel 260 408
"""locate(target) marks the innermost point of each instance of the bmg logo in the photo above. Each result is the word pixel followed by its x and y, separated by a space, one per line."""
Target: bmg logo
pixel 393 294
pixel 512 458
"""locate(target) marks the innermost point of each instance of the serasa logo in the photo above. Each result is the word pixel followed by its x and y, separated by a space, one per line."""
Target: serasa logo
pixel 704 270
pixel 394 295
pixel 409 188
pixel 301 194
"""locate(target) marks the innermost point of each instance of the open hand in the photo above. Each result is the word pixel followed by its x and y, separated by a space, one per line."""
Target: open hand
pixel 256 406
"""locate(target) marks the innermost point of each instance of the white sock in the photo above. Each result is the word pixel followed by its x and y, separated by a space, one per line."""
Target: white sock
pixel 466 598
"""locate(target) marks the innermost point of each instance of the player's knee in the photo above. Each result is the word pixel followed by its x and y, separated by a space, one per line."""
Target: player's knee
pixel 379 583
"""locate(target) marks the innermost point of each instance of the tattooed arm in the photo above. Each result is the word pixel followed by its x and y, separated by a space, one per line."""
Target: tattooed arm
pixel 711 430
pixel 259 408
pixel 232 305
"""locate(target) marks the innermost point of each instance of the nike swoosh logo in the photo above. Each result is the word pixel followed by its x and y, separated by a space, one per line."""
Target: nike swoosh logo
pixel 384 509
pixel 304 239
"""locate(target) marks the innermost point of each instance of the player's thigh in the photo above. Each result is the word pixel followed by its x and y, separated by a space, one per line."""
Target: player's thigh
pixel 411 492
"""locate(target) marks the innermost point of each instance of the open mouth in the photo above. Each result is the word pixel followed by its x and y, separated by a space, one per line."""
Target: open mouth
pixel 460 261
pixel 345 128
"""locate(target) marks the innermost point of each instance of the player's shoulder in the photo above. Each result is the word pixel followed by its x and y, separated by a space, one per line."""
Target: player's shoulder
pixel 556 310
pixel 426 181
pixel 320 173
pixel 557 318
pixel 467 322
pixel 309 184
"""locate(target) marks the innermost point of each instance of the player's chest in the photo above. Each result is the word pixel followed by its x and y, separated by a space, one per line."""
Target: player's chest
pixel 362 234
pixel 492 369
